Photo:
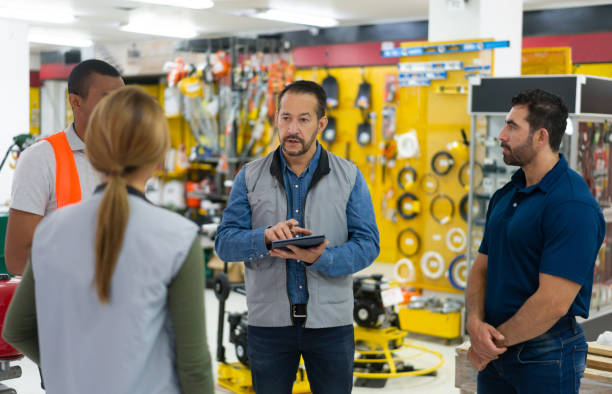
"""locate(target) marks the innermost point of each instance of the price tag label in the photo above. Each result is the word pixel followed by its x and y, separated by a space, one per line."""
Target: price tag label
pixel 392 296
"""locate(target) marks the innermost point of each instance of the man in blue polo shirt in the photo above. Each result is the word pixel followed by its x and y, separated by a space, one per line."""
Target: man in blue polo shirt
pixel 534 270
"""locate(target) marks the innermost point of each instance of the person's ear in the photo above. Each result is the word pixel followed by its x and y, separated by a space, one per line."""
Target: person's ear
pixel 75 101
pixel 322 124
pixel 543 136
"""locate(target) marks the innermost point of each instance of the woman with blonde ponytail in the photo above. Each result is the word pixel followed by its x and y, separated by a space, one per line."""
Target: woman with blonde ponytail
pixel 112 299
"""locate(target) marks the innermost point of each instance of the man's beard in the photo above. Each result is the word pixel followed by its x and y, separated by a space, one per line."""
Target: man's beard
pixel 520 155
pixel 305 146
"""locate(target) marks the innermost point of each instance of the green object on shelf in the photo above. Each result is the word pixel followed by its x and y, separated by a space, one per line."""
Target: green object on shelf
pixel 3 223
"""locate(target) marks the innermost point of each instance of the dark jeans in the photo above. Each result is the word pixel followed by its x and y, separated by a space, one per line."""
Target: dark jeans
pixel 554 362
pixel 274 356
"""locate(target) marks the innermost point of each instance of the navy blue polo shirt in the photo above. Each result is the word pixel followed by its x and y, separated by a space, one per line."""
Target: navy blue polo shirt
pixel 554 227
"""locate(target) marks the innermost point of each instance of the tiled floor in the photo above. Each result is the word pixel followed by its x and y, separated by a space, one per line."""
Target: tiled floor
pixel 443 383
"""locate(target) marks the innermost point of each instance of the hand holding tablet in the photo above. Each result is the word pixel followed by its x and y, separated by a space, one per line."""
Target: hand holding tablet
pixel 301 242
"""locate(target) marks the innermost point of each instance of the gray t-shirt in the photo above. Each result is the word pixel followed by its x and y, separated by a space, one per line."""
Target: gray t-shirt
pixel 34 181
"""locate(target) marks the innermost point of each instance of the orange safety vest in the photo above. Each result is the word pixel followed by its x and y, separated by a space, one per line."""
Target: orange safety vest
pixel 67 184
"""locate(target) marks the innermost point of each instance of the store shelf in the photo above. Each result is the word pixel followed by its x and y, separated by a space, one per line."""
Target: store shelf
pixel 170 174
pixel 607 213
pixel 427 286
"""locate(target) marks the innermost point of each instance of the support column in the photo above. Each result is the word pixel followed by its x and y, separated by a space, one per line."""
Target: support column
pixel 14 100
pixel 471 19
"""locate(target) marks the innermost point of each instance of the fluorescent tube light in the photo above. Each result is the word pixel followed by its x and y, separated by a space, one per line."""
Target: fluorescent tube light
pixel 41 37
pixel 38 14
pixel 156 26
pixel 193 4
pixel 296 17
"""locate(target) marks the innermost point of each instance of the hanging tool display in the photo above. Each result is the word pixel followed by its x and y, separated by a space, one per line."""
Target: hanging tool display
pixel 387 158
pixel 408 206
pixel 364 132
pixel 363 102
pixel 464 175
pixel 458 272
pixel 478 209
pixel 329 134
pixel 200 125
pixel 330 85
pixel 404 271
pixel 442 208
pixel 585 153
pixel 600 161
pixel 442 162
pixel 429 183
pixel 256 110
pixel 390 108
pixel 408 242
pixel 407 145
pixel 364 93
pixel 389 121
pixel 456 239
pixel 415 124
pixel 432 264
pixel 406 178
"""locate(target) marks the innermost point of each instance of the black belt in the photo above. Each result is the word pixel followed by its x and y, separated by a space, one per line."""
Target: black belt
pixel 298 310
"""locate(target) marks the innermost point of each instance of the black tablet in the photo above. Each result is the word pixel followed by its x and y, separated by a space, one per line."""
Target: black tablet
pixel 302 242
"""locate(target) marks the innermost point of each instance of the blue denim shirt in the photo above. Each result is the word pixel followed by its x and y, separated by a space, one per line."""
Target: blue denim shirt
pixel 295 189
pixel 237 241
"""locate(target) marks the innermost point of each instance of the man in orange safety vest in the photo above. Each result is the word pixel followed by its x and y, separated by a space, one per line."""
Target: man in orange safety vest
pixel 55 172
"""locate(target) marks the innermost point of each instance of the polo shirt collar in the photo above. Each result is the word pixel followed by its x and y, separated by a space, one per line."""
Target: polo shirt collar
pixel 545 184
pixel 75 142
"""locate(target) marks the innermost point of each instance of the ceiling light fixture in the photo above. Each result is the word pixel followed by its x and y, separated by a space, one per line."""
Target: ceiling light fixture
pixel 193 4
pixel 296 17
pixel 44 37
pixel 45 14
pixel 156 26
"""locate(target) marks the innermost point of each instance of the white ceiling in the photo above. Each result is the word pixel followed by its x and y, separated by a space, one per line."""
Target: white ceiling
pixel 100 20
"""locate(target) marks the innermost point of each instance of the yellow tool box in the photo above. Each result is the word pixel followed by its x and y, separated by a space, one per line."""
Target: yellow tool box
pixel 423 321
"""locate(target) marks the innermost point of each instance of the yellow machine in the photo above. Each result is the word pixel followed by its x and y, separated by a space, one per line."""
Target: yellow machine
pixel 236 376
pixel 383 354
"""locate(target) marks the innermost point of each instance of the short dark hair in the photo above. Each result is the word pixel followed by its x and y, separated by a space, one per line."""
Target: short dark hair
pixel 78 81
pixel 306 87
pixel 546 110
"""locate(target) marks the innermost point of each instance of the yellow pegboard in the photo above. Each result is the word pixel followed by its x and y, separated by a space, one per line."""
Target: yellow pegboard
pixel 596 69
pixel 438 118
pixel 35 110
pixel 546 60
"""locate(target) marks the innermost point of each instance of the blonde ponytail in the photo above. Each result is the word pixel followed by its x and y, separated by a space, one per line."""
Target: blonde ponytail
pixel 113 215
pixel 127 129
